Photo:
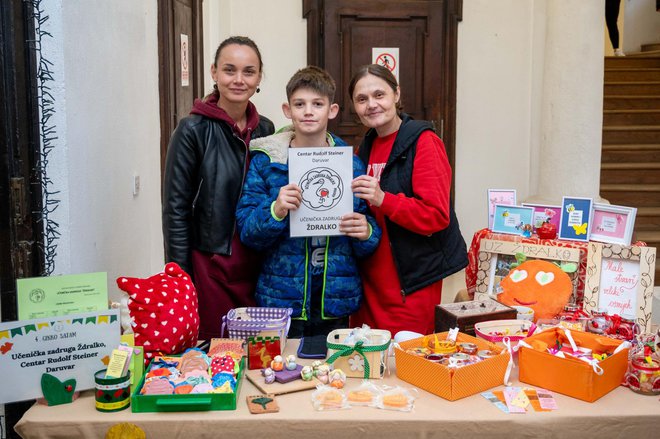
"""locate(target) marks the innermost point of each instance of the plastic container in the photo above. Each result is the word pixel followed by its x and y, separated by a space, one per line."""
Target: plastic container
pixel 189 402
pixel 242 323
pixel 495 331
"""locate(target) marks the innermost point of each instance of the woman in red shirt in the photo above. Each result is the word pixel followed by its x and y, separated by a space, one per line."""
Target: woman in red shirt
pixel 407 186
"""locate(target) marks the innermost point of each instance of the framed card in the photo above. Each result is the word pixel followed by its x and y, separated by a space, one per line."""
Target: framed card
pixel 499 196
pixel 613 224
pixel 575 222
pixel 514 220
pixel 496 258
pixel 544 213
pixel 620 281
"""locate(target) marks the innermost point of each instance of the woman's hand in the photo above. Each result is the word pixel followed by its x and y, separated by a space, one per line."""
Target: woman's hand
pixel 355 225
pixel 289 198
pixel 368 188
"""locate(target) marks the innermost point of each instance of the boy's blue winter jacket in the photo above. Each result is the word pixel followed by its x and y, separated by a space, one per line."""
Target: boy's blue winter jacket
pixel 284 280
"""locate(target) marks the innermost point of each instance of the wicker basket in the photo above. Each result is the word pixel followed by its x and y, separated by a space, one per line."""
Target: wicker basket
pixel 242 323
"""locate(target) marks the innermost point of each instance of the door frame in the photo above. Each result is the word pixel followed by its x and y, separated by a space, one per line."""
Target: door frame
pixel 21 192
pixel 313 12
pixel 166 72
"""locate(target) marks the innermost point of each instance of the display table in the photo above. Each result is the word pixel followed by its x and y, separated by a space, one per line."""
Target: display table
pixel 619 413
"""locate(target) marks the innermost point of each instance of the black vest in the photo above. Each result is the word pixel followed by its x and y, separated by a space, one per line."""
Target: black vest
pixel 420 259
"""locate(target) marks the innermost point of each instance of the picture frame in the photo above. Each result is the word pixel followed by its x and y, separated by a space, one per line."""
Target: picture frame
pixel 495 258
pixel 514 220
pixel 612 224
pixel 620 281
pixel 575 221
pixel 499 196
pixel 544 213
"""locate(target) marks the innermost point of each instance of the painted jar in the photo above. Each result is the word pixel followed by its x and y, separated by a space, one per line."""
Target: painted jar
pixel 643 375
pixel 112 394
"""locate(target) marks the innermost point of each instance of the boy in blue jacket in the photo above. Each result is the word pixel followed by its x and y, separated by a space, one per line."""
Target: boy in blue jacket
pixel 316 276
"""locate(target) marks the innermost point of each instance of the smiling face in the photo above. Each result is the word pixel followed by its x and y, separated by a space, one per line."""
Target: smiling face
pixel 237 74
pixel 309 112
pixel 375 104
pixel 540 285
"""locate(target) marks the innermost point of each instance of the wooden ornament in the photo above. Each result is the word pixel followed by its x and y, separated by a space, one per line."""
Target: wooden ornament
pixel 258 404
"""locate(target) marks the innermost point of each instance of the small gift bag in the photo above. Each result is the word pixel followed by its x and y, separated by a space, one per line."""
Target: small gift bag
pixel 365 358
pixel 262 350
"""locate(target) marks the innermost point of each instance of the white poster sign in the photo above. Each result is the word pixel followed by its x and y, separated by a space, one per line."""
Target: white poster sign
pixel 74 346
pixel 386 57
pixel 185 65
pixel 324 175
pixel 618 287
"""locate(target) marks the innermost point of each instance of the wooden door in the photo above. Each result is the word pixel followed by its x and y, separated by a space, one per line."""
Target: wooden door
pixel 181 53
pixel 342 33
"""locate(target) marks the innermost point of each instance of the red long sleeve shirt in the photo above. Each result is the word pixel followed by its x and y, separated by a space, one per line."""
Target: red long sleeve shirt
pixel 425 213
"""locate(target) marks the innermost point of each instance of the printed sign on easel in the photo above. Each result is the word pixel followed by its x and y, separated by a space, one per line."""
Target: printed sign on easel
pixel 68 347
pixel 386 57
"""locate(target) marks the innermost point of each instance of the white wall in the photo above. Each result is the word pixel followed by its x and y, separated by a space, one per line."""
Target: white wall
pixel 500 58
pixel 496 107
pixel 105 58
pixel 281 34
pixel 641 24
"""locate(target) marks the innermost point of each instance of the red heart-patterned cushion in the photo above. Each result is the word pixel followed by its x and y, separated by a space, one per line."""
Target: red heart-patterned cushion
pixel 163 310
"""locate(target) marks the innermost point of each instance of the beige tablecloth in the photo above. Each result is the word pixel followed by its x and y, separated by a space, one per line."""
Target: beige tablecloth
pixel 621 413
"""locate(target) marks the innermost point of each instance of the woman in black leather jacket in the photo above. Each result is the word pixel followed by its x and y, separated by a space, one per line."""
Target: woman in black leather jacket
pixel 206 163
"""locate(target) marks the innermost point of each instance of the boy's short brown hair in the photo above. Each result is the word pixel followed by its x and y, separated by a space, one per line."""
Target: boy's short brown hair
pixel 313 78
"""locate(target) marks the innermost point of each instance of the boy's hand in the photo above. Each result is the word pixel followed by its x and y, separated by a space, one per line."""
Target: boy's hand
pixel 289 198
pixel 355 225
pixel 368 188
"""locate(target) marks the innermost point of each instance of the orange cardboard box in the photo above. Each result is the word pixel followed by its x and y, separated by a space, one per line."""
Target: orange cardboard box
pixel 450 383
pixel 571 376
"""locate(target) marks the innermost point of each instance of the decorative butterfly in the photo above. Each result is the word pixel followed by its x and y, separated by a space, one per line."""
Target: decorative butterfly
pixel 550 213
pixel 580 230
pixel 505 213
pixel 6 348
pixel 570 208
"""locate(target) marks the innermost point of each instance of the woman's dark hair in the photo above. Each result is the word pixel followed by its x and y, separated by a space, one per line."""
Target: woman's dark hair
pixel 242 41
pixel 378 71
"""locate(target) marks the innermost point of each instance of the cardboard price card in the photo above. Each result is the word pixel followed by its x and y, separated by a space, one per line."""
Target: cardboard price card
pixel 74 346
pixel 324 175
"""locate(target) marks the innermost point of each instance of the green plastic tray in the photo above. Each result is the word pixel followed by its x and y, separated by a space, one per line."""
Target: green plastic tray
pixel 186 403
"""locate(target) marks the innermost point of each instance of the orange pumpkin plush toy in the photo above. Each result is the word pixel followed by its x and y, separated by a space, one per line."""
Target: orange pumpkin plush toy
pixel 540 285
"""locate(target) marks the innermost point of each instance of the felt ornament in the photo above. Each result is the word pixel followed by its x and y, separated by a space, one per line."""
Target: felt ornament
pixel 163 311
pixel 540 285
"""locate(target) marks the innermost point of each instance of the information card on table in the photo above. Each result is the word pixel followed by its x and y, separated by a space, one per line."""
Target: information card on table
pixel 324 175
pixel 73 346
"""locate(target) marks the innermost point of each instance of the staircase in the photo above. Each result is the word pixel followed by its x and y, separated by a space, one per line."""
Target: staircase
pixel 630 168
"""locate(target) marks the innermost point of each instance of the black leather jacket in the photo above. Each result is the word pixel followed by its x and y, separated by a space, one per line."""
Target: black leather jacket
pixel 204 173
